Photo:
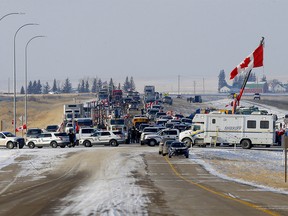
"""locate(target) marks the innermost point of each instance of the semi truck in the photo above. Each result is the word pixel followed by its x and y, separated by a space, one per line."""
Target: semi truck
pixel 149 93
pixel 117 96
pixel 234 129
pixel 72 111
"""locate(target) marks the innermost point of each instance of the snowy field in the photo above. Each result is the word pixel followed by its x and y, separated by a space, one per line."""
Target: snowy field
pixel 233 164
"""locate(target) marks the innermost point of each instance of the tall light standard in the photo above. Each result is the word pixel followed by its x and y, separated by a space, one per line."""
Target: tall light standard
pixel 39 36
pixel 14 74
pixel 0 21
pixel 10 14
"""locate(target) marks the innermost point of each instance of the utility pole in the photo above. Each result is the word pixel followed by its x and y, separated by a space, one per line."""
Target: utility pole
pixel 178 84
pixel 203 86
pixel 8 85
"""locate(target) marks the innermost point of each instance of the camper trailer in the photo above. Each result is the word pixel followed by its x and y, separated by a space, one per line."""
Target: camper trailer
pixel 245 130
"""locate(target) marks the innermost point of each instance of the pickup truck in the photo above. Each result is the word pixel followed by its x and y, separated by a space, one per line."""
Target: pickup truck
pixel 10 141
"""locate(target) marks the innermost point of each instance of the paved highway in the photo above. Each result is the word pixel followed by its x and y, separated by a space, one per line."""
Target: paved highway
pixel 176 186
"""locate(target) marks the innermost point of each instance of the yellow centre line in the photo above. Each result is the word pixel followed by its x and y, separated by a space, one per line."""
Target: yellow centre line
pixel 219 193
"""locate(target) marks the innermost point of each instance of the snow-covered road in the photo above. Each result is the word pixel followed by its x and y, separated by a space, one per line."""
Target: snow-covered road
pixel 116 188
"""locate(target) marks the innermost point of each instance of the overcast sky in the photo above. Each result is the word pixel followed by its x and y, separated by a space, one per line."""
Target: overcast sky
pixel 153 41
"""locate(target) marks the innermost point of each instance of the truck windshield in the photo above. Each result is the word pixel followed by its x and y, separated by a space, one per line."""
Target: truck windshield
pixel 196 127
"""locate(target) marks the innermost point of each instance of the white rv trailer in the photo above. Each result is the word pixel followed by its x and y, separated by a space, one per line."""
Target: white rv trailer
pixel 246 130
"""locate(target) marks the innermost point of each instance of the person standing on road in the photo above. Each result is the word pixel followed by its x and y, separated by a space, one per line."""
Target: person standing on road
pixel 137 136
pixel 129 136
pixel 133 135
pixel 71 139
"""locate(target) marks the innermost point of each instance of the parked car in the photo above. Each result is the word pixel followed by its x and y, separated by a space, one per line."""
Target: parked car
pixel 178 148
pixel 159 115
pixel 102 138
pixel 164 146
pixel 181 127
pixel 167 100
pixel 161 122
pixel 178 116
pixel 142 126
pixel 52 128
pixel 197 99
pixel 10 141
pixel 257 96
pixel 186 121
pixel 152 113
pixel 33 132
pixel 133 105
pixel 169 124
pixel 148 130
pixel 122 134
pixel 167 133
pixel 53 139
pixel 168 117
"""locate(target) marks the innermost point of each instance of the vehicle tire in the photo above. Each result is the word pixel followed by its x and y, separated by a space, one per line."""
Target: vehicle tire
pixel 54 144
pixel 188 142
pixel 10 145
pixel 187 155
pixel 246 144
pixel 160 152
pixel 113 143
pixel 152 142
pixel 31 145
pixel 169 156
pixel 87 143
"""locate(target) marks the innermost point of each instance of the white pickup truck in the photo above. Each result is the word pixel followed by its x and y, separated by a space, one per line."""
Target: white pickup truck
pixel 10 141
pixel 84 132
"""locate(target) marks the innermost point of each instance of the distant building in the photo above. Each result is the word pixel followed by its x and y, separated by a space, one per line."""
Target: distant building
pixel 256 87
pixel 224 89
pixel 277 88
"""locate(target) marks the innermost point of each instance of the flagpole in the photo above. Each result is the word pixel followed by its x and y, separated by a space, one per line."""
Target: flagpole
pixel 238 98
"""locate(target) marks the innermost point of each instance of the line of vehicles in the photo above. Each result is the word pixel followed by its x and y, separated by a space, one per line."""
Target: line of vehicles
pixel 99 123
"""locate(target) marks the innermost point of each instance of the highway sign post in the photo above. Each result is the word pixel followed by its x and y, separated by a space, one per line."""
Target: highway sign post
pixel 285 146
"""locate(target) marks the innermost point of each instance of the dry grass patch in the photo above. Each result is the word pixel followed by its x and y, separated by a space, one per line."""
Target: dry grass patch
pixel 244 170
pixel 42 109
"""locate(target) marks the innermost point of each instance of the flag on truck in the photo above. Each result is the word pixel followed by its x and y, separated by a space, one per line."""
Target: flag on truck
pixel 254 60
pixel 20 128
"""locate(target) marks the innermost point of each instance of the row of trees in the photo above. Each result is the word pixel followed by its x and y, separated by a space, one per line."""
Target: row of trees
pixel 237 81
pixel 84 86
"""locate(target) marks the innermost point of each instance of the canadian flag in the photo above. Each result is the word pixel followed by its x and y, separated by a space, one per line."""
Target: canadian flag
pixel 254 60
pixel 20 128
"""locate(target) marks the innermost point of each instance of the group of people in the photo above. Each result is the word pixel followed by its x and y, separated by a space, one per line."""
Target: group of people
pixel 133 135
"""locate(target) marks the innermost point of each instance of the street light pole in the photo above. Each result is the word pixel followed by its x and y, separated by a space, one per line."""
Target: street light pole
pixel 26 77
pixel 14 74
pixel 0 21
pixel 9 15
